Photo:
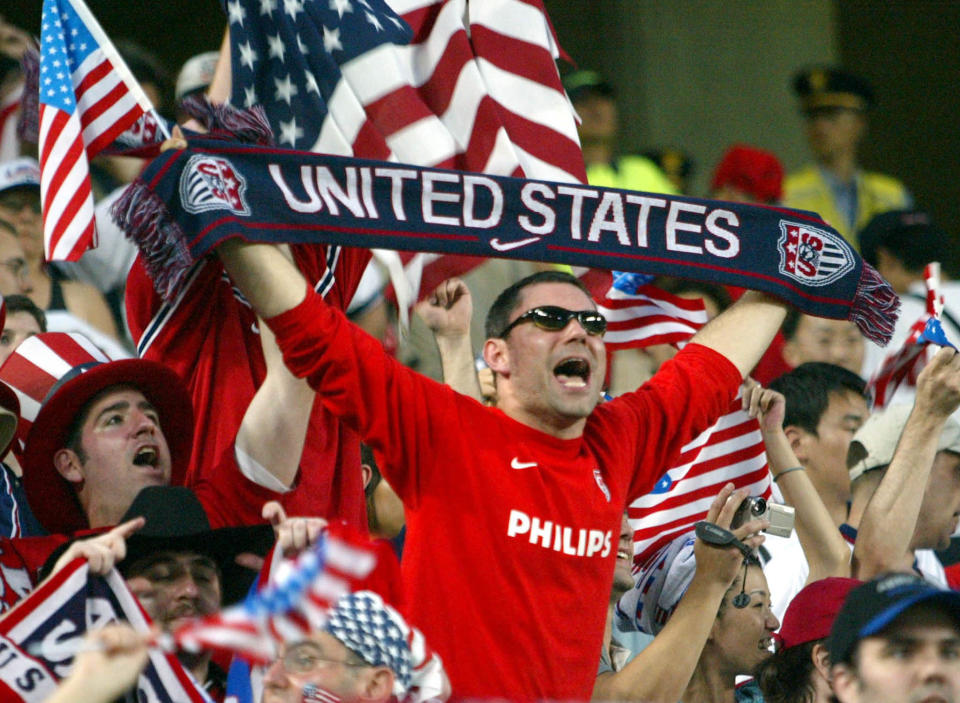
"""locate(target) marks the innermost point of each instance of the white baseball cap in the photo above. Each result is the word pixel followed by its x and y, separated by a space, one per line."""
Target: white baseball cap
pixel 19 173
pixel 875 442
pixel 196 74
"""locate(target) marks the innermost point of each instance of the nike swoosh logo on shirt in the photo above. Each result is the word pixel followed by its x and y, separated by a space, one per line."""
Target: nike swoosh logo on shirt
pixel 517 464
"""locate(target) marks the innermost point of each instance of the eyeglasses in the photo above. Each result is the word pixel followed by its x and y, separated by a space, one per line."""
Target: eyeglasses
pixel 553 319
pixel 305 657
pixel 18 267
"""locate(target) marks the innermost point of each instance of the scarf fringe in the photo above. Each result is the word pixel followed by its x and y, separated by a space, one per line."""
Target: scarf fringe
pixel 249 126
pixel 144 217
pixel 28 126
pixel 876 306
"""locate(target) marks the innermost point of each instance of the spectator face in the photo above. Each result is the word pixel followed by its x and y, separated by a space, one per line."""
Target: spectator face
pixel 174 586
pixel 940 509
pixel 598 118
pixel 836 342
pixel 825 454
pixel 18 326
pixel 917 658
pixel 14 271
pixel 123 450
pixel 834 132
pixel 323 661
pixel 552 377
pixel 743 636
pixel 623 575
pixel 21 208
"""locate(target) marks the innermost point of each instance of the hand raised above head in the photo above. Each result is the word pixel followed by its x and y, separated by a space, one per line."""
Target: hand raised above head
pixel 448 310
pixel 768 406
pixel 938 385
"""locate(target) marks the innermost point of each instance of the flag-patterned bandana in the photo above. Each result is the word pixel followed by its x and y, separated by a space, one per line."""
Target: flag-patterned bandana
pixel 374 630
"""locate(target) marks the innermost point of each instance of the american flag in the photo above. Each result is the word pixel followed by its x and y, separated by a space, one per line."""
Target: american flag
pixel 471 87
pixel 88 98
pixel 729 451
pixel 640 314
pixel 296 600
pixel 44 631
pixel 903 365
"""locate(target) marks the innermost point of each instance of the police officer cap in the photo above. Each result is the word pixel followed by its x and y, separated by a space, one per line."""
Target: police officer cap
pixel 824 87
pixel 582 84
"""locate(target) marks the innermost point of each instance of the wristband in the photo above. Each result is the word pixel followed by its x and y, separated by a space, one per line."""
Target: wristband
pixel 717 536
pixel 786 471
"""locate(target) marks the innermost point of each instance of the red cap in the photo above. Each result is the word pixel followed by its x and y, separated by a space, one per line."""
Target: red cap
pixel 751 170
pixel 812 611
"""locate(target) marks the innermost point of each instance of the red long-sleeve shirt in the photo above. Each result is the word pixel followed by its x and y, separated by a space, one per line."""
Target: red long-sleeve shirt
pixel 512 533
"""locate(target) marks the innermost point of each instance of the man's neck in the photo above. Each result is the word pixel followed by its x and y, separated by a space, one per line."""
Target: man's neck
pixel 842 166
pixel 197 664
pixel 559 427
pixel 835 503
pixel 102 514
pixel 597 152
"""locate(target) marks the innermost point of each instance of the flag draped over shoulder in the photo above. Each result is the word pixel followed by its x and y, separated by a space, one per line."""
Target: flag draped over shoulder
pixel 189 201
pixel 731 451
pixel 88 98
pixel 41 635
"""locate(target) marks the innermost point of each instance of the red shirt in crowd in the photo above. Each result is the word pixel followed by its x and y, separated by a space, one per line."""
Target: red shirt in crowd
pixel 512 533
pixel 208 335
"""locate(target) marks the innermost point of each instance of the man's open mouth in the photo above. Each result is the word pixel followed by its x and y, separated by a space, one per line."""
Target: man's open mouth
pixel 146 456
pixel 573 372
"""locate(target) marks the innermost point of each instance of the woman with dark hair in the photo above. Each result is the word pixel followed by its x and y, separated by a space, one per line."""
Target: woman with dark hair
pixel 799 671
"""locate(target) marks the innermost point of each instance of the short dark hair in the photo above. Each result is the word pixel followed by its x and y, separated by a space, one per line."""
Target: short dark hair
pixel 21 303
pixel 785 676
pixel 807 389
pixel 498 317
pixel 790 323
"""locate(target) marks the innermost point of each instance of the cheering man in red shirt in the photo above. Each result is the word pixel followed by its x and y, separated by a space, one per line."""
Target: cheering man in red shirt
pixel 512 511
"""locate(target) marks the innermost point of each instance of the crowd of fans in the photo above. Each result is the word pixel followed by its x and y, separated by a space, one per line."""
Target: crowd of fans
pixel 181 442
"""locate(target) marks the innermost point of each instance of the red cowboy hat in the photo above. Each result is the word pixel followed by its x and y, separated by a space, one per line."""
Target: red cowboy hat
pixel 63 372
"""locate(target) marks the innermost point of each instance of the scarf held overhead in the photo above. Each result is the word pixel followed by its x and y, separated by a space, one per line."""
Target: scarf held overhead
pixel 187 202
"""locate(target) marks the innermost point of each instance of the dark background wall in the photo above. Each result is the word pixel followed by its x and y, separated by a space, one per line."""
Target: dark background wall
pixel 701 74
pixel 911 51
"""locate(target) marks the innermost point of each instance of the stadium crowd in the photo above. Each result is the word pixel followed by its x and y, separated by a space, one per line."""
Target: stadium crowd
pixel 561 532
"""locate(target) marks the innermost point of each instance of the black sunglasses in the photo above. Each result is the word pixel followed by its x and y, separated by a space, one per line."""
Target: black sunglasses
pixel 554 319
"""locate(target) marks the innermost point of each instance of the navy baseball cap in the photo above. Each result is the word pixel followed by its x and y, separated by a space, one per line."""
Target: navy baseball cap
pixel 871 608
pixel 582 84
pixel 828 87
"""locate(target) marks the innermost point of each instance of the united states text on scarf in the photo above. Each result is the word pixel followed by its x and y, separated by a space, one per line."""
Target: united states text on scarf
pixel 189 201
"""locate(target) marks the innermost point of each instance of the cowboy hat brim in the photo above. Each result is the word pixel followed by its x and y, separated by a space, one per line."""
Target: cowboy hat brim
pixel 51 497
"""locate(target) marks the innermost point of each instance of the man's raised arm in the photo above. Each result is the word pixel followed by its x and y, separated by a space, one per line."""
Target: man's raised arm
pixel 744 331
pixel 265 276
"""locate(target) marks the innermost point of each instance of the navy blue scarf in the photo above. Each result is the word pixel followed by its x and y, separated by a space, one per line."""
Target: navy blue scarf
pixel 189 201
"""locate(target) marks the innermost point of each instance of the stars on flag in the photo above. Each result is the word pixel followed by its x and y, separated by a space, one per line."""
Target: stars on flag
pixel 331 40
pixel 248 56
pixel 287 55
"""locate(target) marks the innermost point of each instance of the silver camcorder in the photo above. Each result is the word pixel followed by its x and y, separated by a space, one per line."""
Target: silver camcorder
pixel 757 508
